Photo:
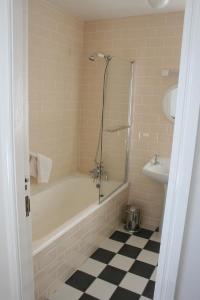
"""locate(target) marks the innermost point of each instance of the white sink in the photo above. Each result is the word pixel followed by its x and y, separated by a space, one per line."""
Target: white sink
pixel 159 171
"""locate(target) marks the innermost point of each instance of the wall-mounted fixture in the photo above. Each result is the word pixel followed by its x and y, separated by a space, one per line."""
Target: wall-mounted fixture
pixel 157 4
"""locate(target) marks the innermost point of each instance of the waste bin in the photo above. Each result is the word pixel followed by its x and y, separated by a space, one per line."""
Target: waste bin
pixel 132 219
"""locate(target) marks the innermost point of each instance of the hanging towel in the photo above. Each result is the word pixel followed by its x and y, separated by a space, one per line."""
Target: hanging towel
pixel 44 166
pixel 33 164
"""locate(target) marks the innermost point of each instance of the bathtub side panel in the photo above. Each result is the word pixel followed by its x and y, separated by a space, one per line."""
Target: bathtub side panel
pixel 57 262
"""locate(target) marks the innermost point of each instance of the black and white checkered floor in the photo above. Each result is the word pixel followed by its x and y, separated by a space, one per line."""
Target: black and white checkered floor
pixel 123 268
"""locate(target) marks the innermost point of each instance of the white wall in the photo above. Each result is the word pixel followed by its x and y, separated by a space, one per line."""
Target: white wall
pixel 188 285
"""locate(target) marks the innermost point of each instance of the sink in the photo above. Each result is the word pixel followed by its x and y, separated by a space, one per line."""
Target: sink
pixel 159 171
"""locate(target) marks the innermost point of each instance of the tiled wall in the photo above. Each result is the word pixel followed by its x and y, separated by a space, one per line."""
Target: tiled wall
pixel 153 42
pixel 55 54
pixel 58 261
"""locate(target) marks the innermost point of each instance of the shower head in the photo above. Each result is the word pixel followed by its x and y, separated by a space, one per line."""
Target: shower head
pixel 96 55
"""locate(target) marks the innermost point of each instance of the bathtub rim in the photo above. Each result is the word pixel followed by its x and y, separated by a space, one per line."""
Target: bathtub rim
pixel 41 244
pixel 35 192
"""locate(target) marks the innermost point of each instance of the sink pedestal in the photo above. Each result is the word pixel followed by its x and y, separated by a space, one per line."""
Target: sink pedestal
pixel 159 171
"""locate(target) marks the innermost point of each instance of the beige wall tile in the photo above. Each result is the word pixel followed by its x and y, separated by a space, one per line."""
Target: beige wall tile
pixel 55 55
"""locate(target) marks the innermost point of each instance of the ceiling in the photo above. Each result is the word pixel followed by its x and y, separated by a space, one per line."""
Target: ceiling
pixel 105 9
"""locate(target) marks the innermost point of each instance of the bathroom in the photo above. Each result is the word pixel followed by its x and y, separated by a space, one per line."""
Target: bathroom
pixel 66 95
pixel 105 103
pixel 97 92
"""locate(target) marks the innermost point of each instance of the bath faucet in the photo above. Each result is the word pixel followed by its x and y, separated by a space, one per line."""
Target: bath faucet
pixel 155 159
pixel 95 173
pixel 98 172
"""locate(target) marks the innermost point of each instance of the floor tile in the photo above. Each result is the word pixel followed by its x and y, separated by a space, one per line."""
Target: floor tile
pixel 134 283
pixel 142 269
pixel 149 257
pixel 120 236
pixel 101 289
pixel 111 245
pixel 137 241
pixel 153 276
pixel 123 294
pixel 67 292
pixel 92 267
pixel 112 275
pixel 144 233
pixel 123 268
pixel 87 297
pixel 80 280
pixel 122 262
pixel 156 236
pixel 152 246
pixel 103 255
pixel 130 251
pixel 149 290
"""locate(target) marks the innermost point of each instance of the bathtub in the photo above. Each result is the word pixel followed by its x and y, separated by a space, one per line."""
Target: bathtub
pixel 65 204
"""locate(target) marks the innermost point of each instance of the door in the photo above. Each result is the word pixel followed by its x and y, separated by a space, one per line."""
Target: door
pixel 15 248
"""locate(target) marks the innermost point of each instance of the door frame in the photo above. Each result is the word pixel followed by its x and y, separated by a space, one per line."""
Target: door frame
pixel 15 242
pixel 183 154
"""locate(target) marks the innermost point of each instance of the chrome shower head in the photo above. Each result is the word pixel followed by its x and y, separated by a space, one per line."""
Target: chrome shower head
pixel 96 55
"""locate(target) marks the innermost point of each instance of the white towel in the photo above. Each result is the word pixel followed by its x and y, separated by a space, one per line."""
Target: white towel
pixel 33 165
pixel 44 166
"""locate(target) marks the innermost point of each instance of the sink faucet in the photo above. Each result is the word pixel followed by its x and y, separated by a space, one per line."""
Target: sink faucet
pixel 155 159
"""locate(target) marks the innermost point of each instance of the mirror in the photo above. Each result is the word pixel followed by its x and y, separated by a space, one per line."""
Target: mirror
pixel 169 103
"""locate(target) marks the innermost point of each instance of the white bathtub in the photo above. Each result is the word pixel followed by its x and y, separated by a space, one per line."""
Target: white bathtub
pixel 63 205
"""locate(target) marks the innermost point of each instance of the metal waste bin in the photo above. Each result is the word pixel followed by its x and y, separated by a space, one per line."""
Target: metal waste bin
pixel 132 219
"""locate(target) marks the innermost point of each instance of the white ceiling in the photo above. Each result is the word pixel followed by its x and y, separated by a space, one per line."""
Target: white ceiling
pixel 105 9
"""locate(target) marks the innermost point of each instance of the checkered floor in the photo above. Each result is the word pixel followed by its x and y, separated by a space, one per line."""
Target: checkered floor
pixel 123 268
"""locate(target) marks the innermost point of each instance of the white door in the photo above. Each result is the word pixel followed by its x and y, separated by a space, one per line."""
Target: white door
pixel 15 227
pixel 183 156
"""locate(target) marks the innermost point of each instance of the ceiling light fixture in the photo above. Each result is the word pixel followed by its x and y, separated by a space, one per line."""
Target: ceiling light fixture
pixel 157 4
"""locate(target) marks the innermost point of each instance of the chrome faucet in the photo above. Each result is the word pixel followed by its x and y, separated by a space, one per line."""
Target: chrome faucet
pixel 98 172
pixel 156 160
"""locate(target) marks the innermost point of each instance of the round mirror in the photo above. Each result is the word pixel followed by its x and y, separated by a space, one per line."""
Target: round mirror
pixel 169 103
